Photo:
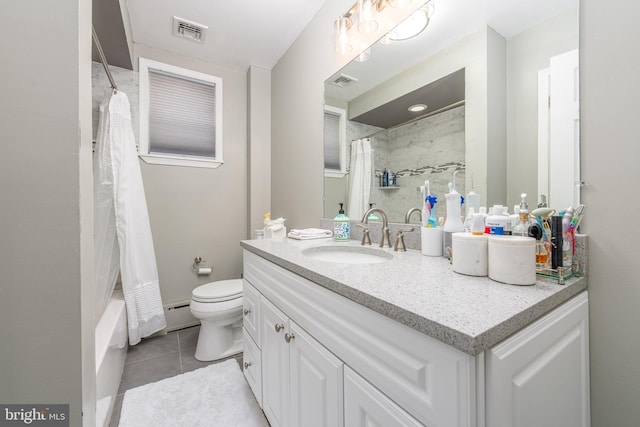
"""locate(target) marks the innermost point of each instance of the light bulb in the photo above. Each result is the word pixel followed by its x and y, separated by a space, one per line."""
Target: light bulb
pixel 343 45
pixel 367 23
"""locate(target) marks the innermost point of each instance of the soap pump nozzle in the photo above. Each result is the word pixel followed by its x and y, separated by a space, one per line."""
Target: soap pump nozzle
pixel 523 203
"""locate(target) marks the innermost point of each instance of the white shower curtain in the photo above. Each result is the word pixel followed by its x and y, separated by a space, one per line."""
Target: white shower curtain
pixel 122 232
pixel 359 178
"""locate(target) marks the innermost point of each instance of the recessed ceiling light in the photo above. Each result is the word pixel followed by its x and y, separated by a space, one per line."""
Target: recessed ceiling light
pixel 417 108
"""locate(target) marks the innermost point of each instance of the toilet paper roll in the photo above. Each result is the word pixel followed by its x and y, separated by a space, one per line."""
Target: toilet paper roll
pixel 431 239
pixel 203 271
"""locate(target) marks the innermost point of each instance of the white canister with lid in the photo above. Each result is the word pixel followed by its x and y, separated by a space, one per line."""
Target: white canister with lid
pixel 469 254
pixel 512 259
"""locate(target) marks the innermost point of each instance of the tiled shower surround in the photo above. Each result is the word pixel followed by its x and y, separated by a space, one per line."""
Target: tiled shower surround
pixel 428 149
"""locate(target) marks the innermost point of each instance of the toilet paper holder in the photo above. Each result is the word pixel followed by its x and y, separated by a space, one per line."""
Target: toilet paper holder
pixel 197 267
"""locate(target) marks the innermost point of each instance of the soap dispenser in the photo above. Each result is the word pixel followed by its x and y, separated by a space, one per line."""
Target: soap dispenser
pixel 522 226
pixel 341 226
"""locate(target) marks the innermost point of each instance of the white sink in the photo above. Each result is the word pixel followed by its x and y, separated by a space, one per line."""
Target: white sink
pixel 347 254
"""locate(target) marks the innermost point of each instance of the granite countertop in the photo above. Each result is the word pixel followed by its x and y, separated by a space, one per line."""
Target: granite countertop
pixel 471 314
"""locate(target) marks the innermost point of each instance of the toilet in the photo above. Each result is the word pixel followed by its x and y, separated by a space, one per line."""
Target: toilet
pixel 218 306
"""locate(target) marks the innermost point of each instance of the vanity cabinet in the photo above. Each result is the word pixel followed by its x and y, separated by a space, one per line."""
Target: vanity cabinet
pixel 329 361
pixel 429 381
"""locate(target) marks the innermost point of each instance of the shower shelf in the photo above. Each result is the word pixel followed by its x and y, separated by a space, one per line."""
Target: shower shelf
pixel 390 187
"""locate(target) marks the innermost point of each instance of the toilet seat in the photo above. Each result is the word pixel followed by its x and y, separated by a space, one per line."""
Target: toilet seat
pixel 224 290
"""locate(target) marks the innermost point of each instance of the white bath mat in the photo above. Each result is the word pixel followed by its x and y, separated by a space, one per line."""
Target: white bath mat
pixel 214 396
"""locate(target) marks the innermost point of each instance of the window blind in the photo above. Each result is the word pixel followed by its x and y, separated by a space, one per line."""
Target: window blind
pixel 182 115
pixel 331 141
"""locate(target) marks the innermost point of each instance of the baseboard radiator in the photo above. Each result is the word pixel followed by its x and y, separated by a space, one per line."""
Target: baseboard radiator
pixel 179 316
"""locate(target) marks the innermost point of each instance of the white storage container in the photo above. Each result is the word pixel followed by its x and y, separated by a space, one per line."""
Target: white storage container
pixel 512 259
pixel 470 254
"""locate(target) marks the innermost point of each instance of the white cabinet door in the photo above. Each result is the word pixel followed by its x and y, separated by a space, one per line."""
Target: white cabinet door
pixel 366 406
pixel 252 365
pixel 275 365
pixel 540 376
pixel 316 387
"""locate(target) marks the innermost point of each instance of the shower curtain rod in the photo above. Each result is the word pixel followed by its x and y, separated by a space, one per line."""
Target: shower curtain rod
pixel 103 59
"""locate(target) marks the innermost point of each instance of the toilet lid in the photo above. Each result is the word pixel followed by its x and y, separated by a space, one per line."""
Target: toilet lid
pixel 223 290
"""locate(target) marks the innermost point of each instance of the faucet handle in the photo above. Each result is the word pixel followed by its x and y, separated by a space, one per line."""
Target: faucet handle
pixel 366 240
pixel 399 245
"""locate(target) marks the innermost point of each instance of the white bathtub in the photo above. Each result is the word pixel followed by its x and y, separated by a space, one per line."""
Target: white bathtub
pixel 111 351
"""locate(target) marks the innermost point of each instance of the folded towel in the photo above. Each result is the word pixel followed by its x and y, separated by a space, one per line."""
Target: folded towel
pixel 309 233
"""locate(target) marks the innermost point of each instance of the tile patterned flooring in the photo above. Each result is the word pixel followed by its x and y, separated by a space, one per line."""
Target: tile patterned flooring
pixel 157 358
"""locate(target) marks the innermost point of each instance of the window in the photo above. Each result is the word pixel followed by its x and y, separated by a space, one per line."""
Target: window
pixel 180 116
pixel 334 142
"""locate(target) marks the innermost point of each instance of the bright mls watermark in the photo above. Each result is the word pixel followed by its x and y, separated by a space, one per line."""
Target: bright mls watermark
pixel 34 415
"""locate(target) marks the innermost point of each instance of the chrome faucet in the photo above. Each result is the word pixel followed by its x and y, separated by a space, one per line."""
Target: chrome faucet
pixel 407 217
pixel 385 226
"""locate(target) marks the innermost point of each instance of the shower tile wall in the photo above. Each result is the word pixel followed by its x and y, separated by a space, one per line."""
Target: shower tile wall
pixel 428 149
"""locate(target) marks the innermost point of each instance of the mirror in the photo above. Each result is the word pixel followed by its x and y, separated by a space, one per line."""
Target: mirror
pixel 485 71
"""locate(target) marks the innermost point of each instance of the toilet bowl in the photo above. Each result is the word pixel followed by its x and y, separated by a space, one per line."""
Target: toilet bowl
pixel 218 306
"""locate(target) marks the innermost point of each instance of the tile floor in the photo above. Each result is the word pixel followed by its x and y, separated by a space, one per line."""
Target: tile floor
pixel 158 358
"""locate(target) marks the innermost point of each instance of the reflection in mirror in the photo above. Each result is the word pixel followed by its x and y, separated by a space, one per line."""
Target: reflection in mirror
pixel 496 128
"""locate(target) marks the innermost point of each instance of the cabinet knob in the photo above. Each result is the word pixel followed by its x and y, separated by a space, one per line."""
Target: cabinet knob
pixel 288 337
pixel 279 327
pixel 247 365
pixel 246 311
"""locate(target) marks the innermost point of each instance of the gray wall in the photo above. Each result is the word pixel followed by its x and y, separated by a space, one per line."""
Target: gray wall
pixel 609 85
pixel 46 227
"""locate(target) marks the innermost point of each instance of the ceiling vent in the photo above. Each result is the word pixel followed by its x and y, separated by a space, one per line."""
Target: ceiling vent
pixel 188 29
pixel 343 80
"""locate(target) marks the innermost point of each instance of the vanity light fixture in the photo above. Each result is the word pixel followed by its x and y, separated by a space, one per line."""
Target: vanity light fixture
pixel 417 108
pixel 364 14
pixel 342 42
pixel 414 24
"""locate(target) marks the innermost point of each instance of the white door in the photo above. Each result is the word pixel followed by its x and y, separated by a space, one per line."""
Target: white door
pixel 366 406
pixel 540 376
pixel 275 364
pixel 559 131
pixel 564 131
pixel 316 377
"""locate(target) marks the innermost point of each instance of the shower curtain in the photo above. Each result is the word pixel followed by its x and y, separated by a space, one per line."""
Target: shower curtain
pixel 359 178
pixel 123 241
